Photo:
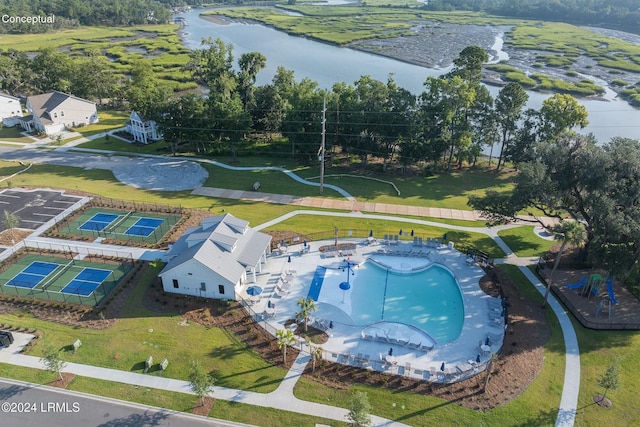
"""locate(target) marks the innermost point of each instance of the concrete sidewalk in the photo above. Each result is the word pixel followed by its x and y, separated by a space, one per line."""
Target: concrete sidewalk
pixel 282 398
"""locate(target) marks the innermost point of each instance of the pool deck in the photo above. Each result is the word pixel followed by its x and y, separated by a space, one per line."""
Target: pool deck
pixel 346 343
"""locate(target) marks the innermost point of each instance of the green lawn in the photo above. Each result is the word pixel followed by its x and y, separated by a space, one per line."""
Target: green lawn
pixel 140 333
pixel 120 146
pixel 109 120
pixel 308 225
pixel 524 242
pixel 13 135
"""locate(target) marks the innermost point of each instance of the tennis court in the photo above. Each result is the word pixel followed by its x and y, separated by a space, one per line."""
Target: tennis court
pixel 31 276
pixel 126 226
pixel 144 227
pixel 98 222
pixel 55 278
pixel 86 282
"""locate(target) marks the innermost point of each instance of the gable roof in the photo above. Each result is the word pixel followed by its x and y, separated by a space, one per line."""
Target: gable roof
pixel 44 104
pixel 224 244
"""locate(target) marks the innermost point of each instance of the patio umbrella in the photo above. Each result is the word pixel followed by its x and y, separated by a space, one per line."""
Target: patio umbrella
pixel 442 367
pixel 304 243
pixel 289 263
pixel 269 305
pixel 330 324
pixel 345 286
pixel 370 233
pixel 478 358
pixel 400 232
pixel 487 342
pixel 411 233
pixel 254 291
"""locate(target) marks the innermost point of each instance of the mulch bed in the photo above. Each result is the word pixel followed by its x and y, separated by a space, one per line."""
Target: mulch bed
pixel 64 382
pixel 204 410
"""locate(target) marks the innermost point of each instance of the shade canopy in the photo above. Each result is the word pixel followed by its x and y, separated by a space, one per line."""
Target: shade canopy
pixel 289 259
pixel 442 367
pixel 254 290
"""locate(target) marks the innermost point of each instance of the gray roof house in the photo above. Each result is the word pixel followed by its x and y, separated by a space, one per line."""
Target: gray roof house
pixel 216 259
pixel 143 130
pixel 54 111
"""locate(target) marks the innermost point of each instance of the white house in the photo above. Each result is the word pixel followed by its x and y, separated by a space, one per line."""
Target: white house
pixel 143 131
pixel 9 109
pixel 54 111
pixel 215 259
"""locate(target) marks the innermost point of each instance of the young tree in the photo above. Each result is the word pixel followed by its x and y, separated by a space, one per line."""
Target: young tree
pixel 609 380
pixel 569 232
pixel 359 410
pixel 200 381
pixel 10 221
pixel 52 361
pixel 285 338
pixel 307 306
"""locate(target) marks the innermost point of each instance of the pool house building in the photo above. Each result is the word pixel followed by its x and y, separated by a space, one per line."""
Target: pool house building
pixel 215 259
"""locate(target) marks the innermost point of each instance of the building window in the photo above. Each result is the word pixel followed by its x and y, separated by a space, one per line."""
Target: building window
pixel 175 283
pixel 221 289
pixel 203 287
pixel 62 113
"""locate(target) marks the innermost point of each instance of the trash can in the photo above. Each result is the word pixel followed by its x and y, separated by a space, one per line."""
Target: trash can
pixel 6 338
pixel 8 334
pixel 451 244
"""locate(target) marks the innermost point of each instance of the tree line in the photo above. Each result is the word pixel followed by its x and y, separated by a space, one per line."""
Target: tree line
pixel 73 13
pixel 615 13
pixel 450 123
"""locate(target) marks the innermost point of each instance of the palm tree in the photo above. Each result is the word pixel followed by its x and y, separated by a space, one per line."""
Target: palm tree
pixel 570 232
pixel 316 353
pixel 10 221
pixel 285 338
pixel 307 306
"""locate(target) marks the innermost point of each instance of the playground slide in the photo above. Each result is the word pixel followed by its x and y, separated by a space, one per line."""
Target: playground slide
pixel 578 285
pixel 612 297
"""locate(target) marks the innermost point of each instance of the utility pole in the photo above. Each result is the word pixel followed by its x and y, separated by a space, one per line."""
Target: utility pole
pixel 321 152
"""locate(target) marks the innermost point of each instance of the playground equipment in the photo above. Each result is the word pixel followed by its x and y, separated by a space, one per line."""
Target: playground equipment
pixel 612 297
pixel 592 286
pixel 578 285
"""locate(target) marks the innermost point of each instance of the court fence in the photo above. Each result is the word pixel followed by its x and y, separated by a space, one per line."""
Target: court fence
pixel 71 227
pixel 120 264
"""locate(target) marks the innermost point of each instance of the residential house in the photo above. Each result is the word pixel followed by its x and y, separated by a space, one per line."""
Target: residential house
pixel 53 112
pixel 9 109
pixel 142 130
pixel 216 259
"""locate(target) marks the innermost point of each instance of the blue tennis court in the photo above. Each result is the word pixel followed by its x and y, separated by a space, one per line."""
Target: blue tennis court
pixel 86 282
pixel 144 227
pixel 98 222
pixel 33 274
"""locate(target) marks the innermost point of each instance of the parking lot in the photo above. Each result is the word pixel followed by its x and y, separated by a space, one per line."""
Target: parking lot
pixel 34 207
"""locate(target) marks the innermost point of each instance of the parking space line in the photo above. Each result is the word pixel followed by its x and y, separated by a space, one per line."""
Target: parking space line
pixel 43 214
pixel 9 195
pixel 35 222
pixel 55 209
pixel 3 202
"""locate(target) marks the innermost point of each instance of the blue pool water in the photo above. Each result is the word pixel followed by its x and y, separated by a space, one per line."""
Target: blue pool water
pixel 429 299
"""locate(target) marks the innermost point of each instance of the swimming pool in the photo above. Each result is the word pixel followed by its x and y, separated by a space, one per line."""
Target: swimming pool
pixel 429 299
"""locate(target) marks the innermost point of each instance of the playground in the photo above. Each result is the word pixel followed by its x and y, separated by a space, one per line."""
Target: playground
pixel 595 300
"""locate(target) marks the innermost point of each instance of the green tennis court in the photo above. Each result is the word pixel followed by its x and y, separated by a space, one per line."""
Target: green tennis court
pixel 128 226
pixel 54 278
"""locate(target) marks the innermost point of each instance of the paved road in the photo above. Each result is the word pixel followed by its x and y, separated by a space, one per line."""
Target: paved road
pixel 32 405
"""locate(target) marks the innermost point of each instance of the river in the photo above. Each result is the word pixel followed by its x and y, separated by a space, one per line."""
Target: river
pixel 328 64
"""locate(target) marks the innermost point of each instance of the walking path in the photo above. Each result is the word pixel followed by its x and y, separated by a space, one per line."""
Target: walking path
pixel 282 398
